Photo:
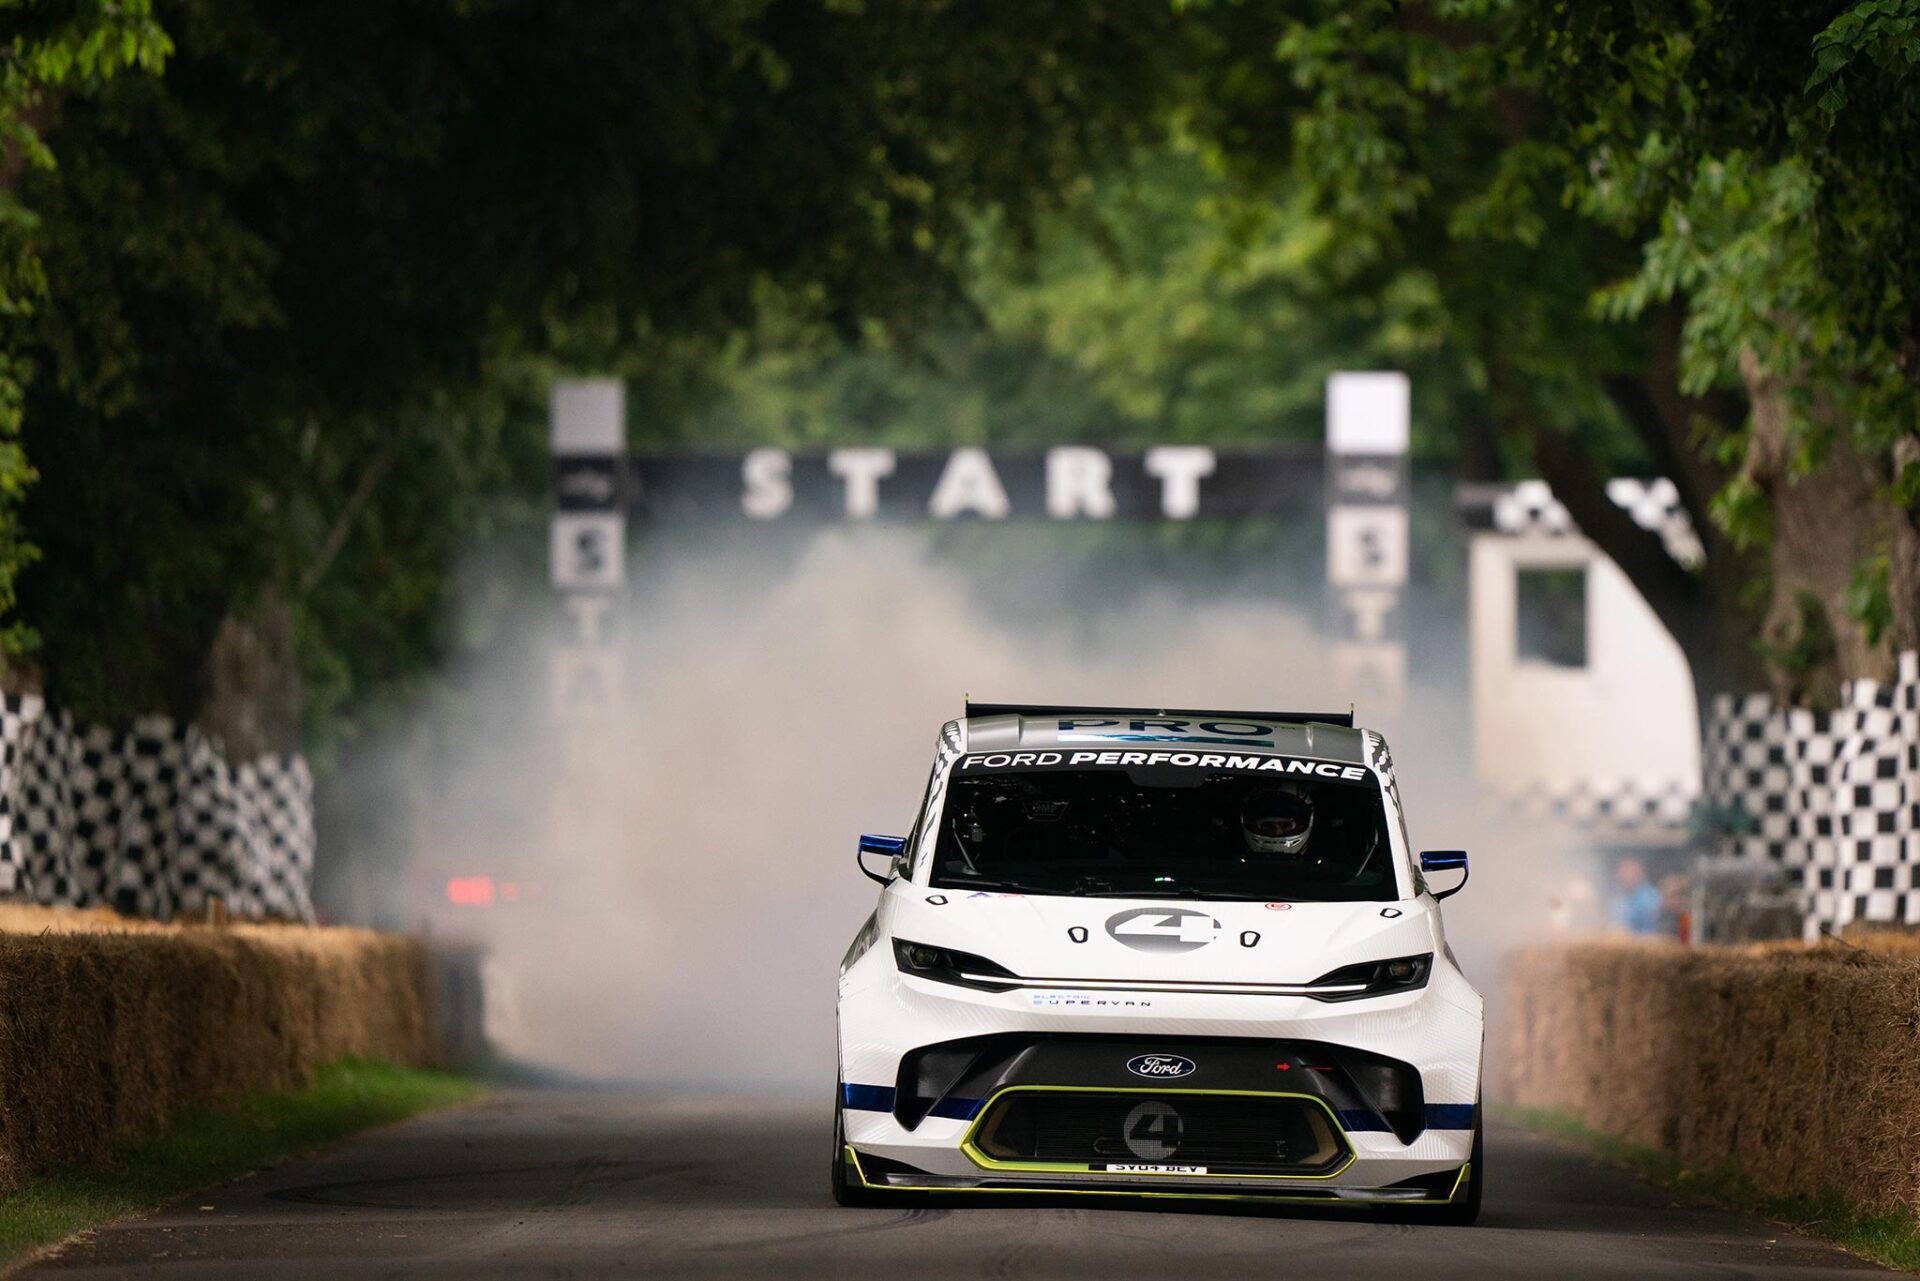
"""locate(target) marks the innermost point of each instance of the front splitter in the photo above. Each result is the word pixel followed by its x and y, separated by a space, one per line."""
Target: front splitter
pixel 906 1179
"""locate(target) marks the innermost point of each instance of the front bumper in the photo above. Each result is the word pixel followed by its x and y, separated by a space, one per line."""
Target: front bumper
pixel 1391 1083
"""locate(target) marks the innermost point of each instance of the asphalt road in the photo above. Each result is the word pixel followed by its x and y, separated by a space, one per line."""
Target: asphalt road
pixel 590 1184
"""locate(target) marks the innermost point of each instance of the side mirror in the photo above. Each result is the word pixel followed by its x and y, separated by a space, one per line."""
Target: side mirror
pixel 892 847
pixel 1446 861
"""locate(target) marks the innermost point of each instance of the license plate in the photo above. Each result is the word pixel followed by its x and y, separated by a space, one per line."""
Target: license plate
pixel 1116 1167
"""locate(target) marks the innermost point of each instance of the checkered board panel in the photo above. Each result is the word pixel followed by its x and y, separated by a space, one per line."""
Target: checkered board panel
pixel 1616 810
pixel 151 822
pixel 1833 797
pixel 1529 507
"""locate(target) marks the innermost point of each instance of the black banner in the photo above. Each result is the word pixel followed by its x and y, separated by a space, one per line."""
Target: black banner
pixel 1070 483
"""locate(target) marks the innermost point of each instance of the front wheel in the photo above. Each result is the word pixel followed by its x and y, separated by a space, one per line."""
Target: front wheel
pixel 847 1187
pixel 1463 1212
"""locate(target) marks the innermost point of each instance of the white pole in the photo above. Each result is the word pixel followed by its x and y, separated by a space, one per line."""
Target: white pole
pixel 588 542
pixel 1368 482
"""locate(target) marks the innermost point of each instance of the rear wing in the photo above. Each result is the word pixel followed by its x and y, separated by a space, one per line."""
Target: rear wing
pixel 1118 713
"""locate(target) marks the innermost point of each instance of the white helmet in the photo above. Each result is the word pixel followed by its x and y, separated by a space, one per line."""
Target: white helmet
pixel 1277 820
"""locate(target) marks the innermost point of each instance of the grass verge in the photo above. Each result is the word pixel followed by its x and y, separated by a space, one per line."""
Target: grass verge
pixel 213 1145
pixel 1891 1237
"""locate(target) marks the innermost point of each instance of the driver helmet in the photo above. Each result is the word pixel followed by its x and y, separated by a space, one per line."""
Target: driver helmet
pixel 1277 820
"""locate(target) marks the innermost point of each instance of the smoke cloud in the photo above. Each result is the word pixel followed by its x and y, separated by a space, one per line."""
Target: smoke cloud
pixel 674 888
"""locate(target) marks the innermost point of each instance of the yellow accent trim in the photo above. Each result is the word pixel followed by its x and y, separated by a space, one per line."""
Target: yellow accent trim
pixel 986 1162
pixel 853 1159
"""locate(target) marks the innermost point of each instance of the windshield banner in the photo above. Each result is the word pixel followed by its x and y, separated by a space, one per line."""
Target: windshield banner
pixel 1008 762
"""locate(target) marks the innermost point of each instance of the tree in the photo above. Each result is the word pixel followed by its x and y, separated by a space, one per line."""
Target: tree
pixel 303 283
pixel 1166 303
pixel 1666 219
pixel 296 278
pixel 54 52
pixel 1771 167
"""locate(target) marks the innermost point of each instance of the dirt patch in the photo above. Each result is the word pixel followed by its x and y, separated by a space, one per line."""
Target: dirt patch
pixel 110 1027
pixel 1800 1066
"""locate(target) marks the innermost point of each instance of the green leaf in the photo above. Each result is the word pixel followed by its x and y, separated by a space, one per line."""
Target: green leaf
pixel 1869 599
pixel 1744 513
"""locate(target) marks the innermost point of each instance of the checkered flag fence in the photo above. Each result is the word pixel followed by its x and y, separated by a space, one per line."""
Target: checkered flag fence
pixel 152 822
pixel 1833 798
pixel 1613 810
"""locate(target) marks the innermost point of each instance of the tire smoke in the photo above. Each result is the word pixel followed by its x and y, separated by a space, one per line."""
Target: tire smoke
pixel 671 887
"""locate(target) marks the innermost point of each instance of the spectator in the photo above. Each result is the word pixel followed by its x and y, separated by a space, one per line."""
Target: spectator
pixel 1636 904
pixel 1676 900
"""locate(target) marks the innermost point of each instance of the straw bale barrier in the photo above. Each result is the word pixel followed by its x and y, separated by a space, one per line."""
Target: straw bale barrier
pixel 108 1027
pixel 1799 1066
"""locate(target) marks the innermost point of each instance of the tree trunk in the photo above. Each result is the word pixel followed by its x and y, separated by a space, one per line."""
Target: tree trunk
pixel 1827 520
pixel 254 692
pixel 1903 555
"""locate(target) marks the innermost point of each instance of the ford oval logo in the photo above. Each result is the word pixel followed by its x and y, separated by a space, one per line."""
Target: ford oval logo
pixel 1161 1066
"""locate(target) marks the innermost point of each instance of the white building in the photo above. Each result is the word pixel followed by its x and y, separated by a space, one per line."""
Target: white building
pixel 1583 705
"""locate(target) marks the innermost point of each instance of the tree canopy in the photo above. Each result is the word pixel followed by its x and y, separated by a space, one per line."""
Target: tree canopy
pixel 295 278
pixel 288 282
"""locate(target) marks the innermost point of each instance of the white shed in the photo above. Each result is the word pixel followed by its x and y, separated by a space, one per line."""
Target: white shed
pixel 1583 705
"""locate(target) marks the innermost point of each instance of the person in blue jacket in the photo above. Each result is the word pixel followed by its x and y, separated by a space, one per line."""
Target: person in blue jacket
pixel 1636 900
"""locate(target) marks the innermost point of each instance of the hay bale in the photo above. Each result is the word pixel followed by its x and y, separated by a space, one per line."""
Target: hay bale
pixel 109 1027
pixel 1801 1066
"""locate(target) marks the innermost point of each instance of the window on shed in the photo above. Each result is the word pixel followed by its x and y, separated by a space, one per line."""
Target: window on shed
pixel 1550 617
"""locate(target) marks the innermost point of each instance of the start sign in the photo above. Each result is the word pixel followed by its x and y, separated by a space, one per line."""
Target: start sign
pixel 1360 481
pixel 867 483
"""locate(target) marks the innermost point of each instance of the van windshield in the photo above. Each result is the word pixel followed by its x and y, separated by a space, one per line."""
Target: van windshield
pixel 1164 825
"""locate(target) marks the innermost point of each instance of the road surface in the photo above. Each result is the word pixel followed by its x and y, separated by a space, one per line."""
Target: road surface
pixel 592 1184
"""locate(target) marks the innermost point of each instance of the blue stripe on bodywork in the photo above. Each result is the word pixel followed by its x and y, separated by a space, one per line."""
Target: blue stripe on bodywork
pixel 1439 1116
pixel 879 1098
pixel 867 1098
pixel 1450 1116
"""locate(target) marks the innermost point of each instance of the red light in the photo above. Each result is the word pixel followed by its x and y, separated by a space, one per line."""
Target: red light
pixel 1284 1067
pixel 470 891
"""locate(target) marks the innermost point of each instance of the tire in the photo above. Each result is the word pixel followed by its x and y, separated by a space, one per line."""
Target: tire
pixel 847 1191
pixel 1462 1213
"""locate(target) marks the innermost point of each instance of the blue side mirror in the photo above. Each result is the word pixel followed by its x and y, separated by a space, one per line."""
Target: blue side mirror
pixel 890 847
pixel 1446 861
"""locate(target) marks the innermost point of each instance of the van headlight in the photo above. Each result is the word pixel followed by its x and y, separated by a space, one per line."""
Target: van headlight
pixel 1373 978
pixel 945 965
